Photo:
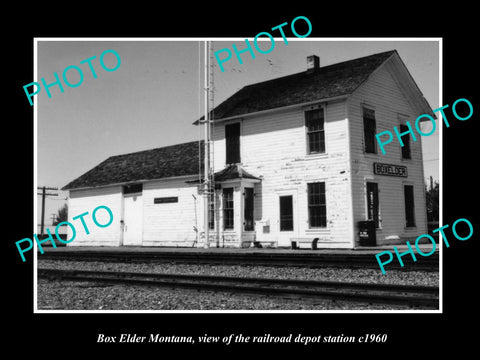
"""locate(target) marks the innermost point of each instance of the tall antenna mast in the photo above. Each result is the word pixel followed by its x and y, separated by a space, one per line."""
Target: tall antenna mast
pixel 207 175
pixel 213 198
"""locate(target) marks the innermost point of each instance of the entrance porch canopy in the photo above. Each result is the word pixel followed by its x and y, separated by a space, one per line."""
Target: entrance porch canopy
pixel 231 173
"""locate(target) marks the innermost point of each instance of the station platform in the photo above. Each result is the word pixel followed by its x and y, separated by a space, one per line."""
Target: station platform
pixel 425 248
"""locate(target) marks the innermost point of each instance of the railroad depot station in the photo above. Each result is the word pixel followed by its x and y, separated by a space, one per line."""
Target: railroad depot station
pixel 294 161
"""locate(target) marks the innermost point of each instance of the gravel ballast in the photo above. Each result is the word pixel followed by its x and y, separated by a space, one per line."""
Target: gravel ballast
pixel 71 295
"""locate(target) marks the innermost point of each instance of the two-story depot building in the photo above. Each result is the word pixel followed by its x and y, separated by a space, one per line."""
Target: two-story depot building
pixel 294 157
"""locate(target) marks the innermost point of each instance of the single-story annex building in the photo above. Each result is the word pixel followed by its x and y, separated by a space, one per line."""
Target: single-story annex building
pixel 294 158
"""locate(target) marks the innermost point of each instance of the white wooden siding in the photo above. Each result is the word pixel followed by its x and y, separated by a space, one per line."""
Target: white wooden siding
pixel 382 93
pixel 168 224
pixel 171 224
pixel 274 147
pixel 81 201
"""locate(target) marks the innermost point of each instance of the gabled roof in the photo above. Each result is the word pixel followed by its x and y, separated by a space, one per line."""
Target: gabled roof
pixel 326 82
pixel 164 162
pixel 311 85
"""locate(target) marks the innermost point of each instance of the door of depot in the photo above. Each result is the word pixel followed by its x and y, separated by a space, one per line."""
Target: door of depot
pixel 287 220
pixel 132 220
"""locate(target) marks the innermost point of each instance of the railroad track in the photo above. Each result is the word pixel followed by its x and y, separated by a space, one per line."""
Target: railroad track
pixel 413 296
pixel 430 263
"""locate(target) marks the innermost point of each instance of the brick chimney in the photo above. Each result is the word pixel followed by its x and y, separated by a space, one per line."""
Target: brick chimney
pixel 313 62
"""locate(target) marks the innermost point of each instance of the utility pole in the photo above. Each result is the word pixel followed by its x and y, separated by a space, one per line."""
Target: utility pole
pixel 44 193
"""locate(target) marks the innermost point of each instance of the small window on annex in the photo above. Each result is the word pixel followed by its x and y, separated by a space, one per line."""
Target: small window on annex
pixel 132 188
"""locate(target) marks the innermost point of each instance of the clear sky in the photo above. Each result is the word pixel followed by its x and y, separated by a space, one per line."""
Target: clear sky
pixel 157 93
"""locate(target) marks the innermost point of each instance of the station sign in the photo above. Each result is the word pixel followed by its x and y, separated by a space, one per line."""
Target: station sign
pixel 165 200
pixel 390 170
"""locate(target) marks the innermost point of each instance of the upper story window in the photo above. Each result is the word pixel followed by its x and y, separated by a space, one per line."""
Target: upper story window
pixel 314 121
pixel 369 130
pixel 406 150
pixel 232 143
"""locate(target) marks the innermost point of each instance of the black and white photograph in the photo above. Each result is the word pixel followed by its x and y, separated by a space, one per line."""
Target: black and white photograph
pixel 202 181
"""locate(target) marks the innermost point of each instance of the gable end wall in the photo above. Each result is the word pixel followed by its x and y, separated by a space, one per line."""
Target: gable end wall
pixel 392 107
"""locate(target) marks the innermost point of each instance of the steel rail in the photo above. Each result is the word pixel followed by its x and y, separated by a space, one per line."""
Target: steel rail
pixel 304 260
pixel 425 296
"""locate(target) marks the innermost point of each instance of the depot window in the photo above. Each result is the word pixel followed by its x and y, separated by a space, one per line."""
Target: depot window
pixel 228 209
pixel 317 205
pixel 132 188
pixel 406 152
pixel 369 130
pixel 232 143
pixel 314 121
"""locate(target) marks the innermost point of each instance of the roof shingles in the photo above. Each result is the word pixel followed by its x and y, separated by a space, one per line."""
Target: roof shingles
pixel 183 159
pixel 169 161
pixel 311 85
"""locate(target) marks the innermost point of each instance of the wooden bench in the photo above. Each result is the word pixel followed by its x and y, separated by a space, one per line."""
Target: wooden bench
pixel 312 242
pixel 259 244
